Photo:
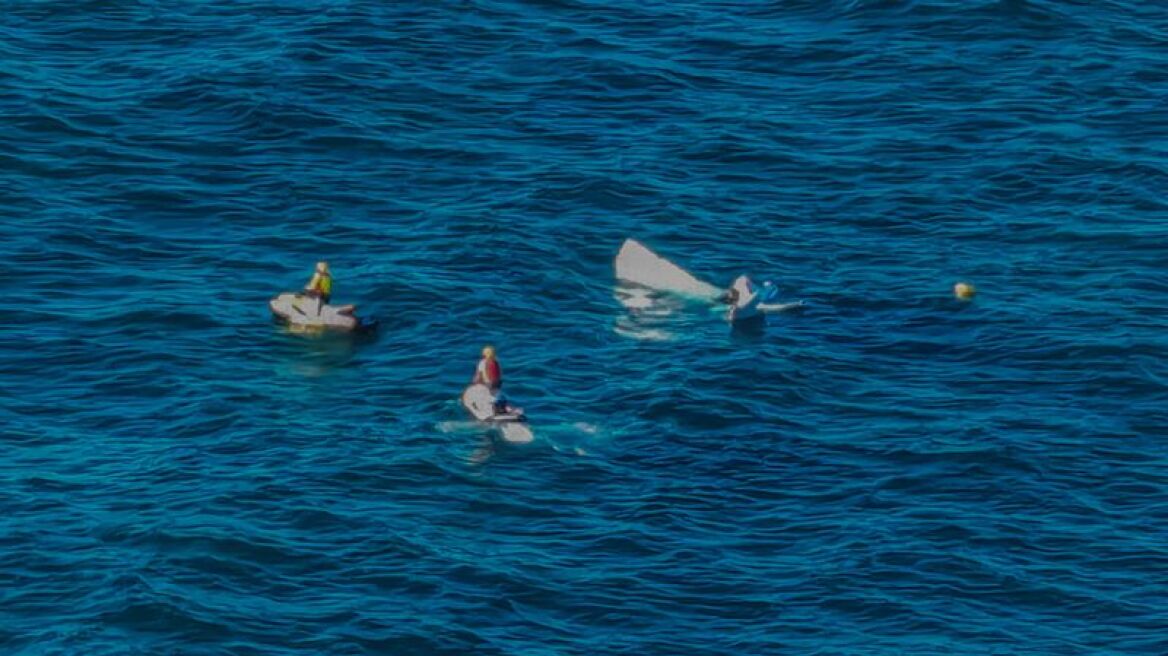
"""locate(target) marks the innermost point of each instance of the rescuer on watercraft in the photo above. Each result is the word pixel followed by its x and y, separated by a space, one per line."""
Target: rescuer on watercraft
pixel 321 284
pixel 484 400
pixel 297 308
pixel 490 374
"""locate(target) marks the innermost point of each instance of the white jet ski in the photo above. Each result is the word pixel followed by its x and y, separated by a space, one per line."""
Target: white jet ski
pixel 304 311
pixel 484 406
pixel 637 264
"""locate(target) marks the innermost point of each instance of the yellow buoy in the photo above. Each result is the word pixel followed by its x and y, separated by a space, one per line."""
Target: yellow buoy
pixel 964 291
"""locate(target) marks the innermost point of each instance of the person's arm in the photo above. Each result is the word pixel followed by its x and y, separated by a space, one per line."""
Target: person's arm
pixel 313 283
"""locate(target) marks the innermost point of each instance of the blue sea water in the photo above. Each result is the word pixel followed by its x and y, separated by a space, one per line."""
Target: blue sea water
pixel 883 471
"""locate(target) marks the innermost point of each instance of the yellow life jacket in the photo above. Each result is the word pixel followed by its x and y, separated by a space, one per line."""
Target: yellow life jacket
pixel 321 283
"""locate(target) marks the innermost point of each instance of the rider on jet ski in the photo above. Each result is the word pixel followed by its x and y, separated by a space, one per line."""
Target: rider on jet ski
pixel 490 373
pixel 321 284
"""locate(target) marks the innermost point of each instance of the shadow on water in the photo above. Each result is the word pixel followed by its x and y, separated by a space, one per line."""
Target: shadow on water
pixel 318 352
pixel 749 331
pixel 486 446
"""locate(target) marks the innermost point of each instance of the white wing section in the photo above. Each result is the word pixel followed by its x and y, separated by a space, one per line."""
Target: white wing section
pixel 637 264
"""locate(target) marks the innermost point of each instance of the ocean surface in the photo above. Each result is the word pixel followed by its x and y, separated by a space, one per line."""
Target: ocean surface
pixel 884 470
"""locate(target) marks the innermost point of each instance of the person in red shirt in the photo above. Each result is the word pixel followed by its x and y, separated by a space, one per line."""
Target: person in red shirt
pixel 488 372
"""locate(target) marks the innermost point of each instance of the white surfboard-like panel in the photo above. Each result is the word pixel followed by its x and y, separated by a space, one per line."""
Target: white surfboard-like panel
pixel 637 264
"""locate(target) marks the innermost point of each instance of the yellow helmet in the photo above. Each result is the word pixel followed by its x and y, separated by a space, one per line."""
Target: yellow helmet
pixel 488 352
pixel 322 267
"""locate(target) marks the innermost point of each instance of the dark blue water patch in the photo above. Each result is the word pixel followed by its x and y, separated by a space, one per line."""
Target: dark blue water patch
pixel 883 470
